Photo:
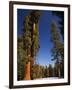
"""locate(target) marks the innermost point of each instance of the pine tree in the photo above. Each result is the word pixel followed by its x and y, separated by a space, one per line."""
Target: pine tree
pixel 58 47
pixel 60 14
pixel 50 71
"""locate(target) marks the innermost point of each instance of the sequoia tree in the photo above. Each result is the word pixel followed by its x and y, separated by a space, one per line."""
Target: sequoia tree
pixel 31 38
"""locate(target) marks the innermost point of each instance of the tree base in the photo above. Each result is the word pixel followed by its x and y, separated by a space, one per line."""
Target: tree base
pixel 27 72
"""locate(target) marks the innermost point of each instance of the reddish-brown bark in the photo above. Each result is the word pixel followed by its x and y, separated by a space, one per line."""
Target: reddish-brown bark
pixel 27 72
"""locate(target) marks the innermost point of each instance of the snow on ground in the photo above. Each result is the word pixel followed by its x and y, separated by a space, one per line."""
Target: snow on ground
pixel 49 78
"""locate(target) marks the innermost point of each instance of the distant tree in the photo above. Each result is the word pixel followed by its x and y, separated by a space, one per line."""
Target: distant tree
pixel 60 14
pixel 46 72
pixel 58 46
pixel 43 72
pixel 50 71
pixel 37 71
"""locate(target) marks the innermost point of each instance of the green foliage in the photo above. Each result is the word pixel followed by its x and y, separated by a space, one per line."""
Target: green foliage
pixel 50 71
pixel 28 43
pixel 36 40
pixel 28 46
pixel 60 14
pixel 26 34
pixel 39 71
pixel 58 47
pixel 36 73
pixel 57 44
pixel 35 15
pixel 30 35
pixel 21 59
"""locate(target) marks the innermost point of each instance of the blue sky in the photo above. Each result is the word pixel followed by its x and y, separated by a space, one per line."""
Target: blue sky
pixel 44 54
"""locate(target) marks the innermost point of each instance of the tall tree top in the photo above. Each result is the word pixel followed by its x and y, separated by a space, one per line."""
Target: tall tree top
pixel 35 16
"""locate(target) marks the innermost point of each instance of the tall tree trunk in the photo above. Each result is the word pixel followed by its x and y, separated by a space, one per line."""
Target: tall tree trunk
pixel 27 72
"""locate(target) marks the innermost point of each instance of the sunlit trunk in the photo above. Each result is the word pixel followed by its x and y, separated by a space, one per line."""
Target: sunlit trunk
pixel 27 71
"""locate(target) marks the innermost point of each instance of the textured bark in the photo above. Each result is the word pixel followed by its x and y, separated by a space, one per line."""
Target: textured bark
pixel 27 72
